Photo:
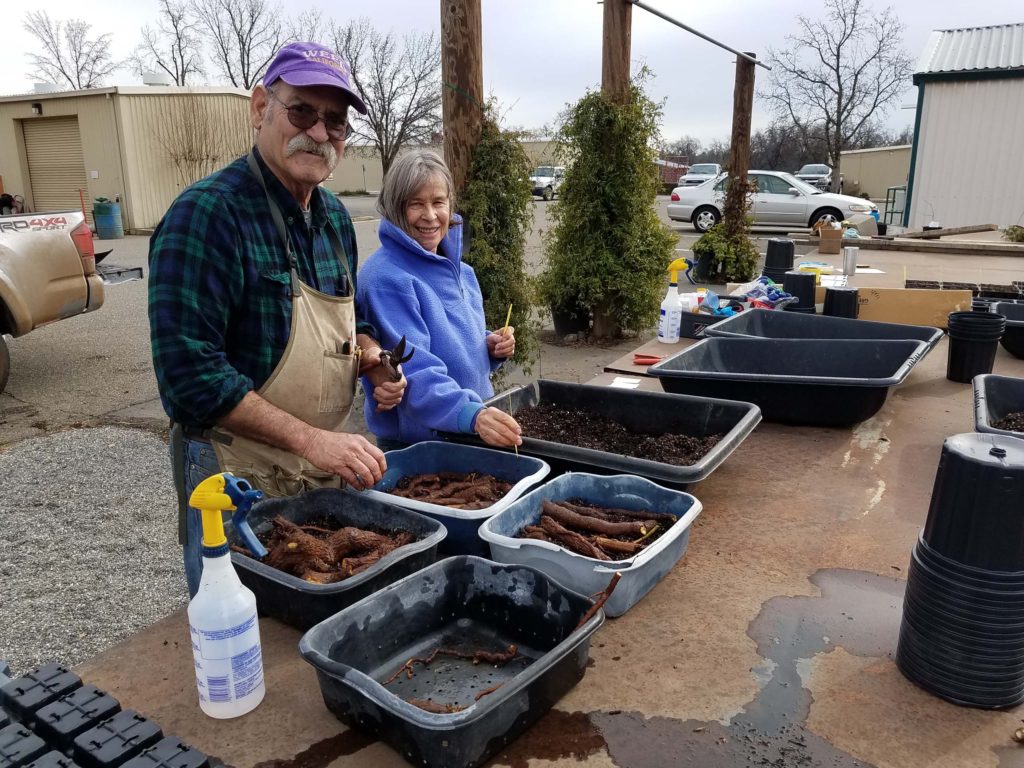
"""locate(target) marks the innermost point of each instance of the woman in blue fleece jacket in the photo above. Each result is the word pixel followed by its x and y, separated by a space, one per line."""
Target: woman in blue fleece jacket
pixel 416 286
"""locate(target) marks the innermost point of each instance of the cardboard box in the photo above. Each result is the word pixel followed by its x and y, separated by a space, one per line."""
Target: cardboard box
pixel 913 306
pixel 830 241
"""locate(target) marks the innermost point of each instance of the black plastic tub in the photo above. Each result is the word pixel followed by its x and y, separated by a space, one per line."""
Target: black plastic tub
pixel 995 397
pixel 770 324
pixel 652 413
pixel 794 381
pixel 302 604
pixel 1013 335
pixel 464 603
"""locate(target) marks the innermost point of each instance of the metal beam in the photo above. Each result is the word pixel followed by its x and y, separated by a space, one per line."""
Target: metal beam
pixel 701 35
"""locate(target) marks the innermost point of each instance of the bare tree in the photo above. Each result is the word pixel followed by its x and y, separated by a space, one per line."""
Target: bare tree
pixel 244 34
pixel 196 139
pixel 684 145
pixel 842 68
pixel 174 46
pixel 68 54
pixel 308 25
pixel 400 83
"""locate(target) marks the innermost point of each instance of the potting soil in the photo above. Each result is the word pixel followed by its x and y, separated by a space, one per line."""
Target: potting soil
pixel 586 430
pixel 1011 422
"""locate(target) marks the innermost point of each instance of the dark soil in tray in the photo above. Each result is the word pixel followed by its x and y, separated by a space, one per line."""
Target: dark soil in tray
pixel 599 532
pixel 1012 422
pixel 585 430
pixel 458 490
pixel 322 551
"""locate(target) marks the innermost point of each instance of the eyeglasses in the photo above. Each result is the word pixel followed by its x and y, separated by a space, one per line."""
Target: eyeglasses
pixel 304 117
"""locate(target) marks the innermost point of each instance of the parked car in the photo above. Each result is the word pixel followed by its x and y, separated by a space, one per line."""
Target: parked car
pixel 817 175
pixel 779 199
pixel 546 179
pixel 699 173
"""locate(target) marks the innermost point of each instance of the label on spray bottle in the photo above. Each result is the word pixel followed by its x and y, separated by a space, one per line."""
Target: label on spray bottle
pixel 229 662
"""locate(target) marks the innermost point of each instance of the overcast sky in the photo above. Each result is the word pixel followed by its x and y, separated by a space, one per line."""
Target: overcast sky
pixel 540 55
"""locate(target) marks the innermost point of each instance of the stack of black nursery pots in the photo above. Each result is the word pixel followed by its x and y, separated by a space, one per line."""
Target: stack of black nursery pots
pixel 973 342
pixel 778 259
pixel 962 635
pixel 803 285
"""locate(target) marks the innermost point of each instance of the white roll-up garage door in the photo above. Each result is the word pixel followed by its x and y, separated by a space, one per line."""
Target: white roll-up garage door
pixel 55 164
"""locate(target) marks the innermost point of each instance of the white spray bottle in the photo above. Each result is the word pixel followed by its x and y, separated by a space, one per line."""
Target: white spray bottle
pixel 672 305
pixel 222 616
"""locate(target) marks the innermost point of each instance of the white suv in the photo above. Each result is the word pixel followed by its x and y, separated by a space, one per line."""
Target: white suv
pixel 546 179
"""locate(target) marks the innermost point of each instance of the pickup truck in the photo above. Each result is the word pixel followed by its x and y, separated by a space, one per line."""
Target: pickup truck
pixel 47 273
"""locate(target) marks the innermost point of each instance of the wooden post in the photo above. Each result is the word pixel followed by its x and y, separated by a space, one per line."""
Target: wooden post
pixel 618 20
pixel 742 107
pixel 462 84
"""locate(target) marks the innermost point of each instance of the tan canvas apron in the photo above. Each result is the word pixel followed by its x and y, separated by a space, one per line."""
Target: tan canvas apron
pixel 314 380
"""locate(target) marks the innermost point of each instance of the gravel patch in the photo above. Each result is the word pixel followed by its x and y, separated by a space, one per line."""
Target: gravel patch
pixel 88 532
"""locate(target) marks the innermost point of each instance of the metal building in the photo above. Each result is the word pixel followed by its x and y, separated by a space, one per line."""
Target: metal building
pixel 140 144
pixel 873 171
pixel 967 161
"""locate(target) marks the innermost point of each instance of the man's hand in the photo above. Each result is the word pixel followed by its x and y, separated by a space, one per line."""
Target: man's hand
pixel 359 463
pixel 502 345
pixel 386 393
pixel 498 428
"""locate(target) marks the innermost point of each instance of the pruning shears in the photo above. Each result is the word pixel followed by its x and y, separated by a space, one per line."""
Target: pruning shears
pixel 393 358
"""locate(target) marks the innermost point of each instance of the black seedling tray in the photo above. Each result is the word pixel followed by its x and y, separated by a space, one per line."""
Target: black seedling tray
pixel 53 759
pixel 19 746
pixel 794 381
pixel 302 604
pixel 116 740
pixel 60 722
pixel 994 398
pixel 24 695
pixel 169 753
pixel 466 603
pixel 650 413
pixel 771 324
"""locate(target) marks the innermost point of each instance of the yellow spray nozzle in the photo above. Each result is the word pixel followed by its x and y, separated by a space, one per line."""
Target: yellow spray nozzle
pixel 677 266
pixel 210 498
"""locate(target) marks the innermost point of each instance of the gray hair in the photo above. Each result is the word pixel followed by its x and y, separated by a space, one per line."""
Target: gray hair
pixel 405 178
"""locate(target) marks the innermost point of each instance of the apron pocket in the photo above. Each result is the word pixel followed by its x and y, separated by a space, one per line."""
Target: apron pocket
pixel 337 382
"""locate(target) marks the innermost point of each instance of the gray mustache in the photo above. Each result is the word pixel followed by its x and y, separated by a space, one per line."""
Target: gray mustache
pixel 303 143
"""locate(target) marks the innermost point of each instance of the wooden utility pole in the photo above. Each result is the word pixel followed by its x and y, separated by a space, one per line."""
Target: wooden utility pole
pixel 618 21
pixel 742 108
pixel 462 84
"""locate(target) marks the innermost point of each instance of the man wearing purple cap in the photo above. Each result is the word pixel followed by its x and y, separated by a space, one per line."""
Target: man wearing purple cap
pixel 256 340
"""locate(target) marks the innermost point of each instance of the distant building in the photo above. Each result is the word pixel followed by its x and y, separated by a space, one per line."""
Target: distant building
pixel 968 148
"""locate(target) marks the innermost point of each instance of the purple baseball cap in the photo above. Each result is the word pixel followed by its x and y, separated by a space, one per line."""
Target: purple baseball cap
pixel 302 64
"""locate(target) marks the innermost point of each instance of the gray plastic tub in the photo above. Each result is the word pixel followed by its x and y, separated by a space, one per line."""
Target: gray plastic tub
pixel 640 573
pixel 994 398
pixel 524 472
pixel 465 603
pixel 771 324
pixel 795 381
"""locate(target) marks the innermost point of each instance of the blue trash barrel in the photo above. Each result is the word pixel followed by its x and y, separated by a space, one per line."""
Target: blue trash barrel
pixel 108 221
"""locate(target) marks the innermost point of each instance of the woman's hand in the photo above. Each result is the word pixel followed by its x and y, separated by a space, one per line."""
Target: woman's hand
pixel 502 345
pixel 497 428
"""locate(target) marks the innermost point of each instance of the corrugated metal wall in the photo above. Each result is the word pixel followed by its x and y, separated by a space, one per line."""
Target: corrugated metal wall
pixel 165 135
pixel 875 170
pixel 969 168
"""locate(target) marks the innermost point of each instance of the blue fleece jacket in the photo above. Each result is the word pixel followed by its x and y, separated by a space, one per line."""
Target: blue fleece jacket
pixel 434 300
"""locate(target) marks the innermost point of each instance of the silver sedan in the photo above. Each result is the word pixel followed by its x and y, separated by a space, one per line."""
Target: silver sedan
pixel 779 200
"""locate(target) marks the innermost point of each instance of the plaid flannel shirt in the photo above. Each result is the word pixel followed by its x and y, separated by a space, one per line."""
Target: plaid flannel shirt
pixel 219 287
